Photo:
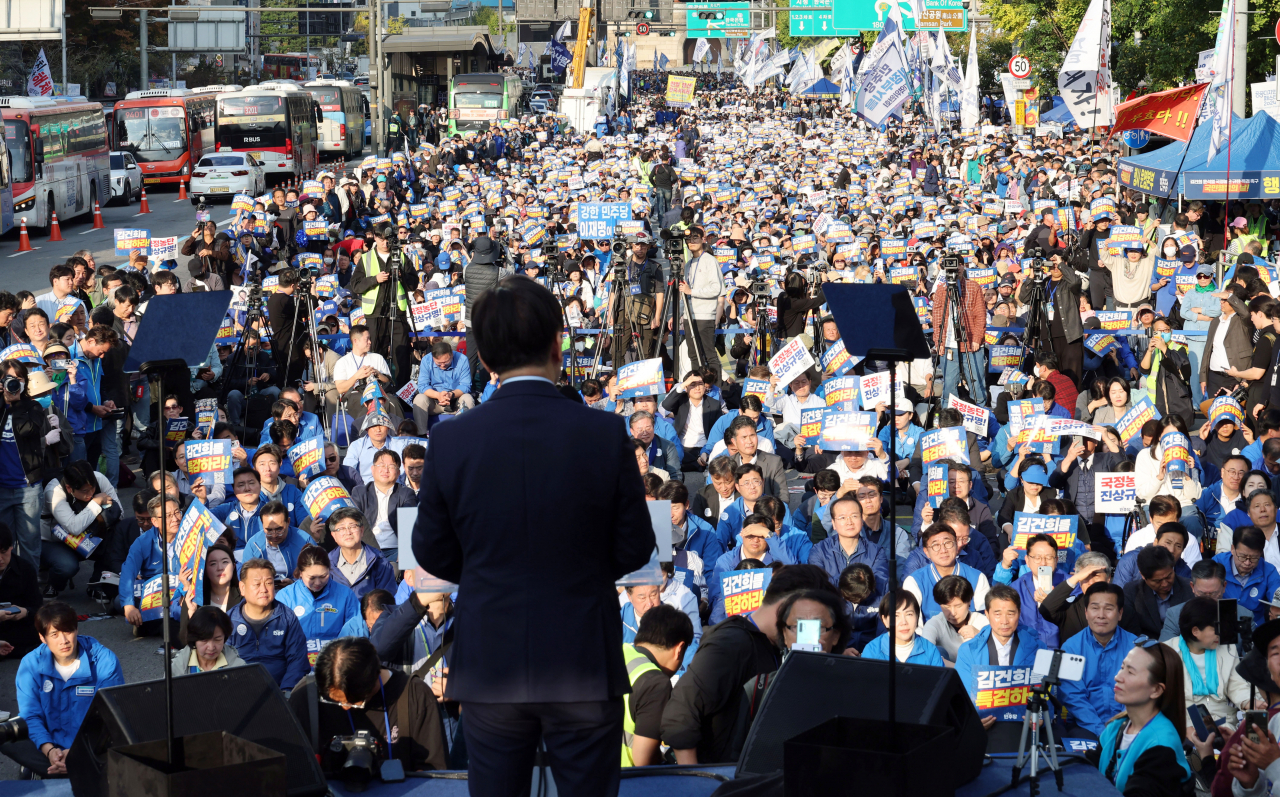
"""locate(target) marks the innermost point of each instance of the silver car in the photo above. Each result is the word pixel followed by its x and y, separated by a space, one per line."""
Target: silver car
pixel 126 177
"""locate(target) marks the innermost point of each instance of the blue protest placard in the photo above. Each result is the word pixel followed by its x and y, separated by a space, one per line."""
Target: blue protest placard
pixel 324 496
pixel 1063 529
pixel 307 457
pixel 129 240
pixel 198 530
pixel 837 361
pixel 1002 692
pixel 951 443
pixel 846 431
pixel 83 543
pixel 641 378
pixel 149 594
pixel 744 590
pixel 596 220
pixel 938 484
pixel 210 459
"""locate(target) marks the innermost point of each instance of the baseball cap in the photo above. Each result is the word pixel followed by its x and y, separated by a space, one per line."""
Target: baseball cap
pixel 902 406
pixel 1239 222
pixel 1036 474
pixel 643 237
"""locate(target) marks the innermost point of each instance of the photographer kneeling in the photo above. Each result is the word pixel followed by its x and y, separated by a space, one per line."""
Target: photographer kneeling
pixel 358 696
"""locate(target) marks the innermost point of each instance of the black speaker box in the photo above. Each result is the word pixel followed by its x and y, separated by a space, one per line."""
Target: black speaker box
pixel 243 701
pixel 811 688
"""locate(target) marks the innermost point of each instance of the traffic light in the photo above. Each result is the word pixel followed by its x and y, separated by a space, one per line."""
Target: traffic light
pixel 649 15
pixel 711 15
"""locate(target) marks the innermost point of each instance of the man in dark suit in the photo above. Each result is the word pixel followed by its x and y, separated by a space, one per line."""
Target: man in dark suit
pixel 1159 589
pixel 690 404
pixel 517 675
pixel 743 430
pixel 1075 478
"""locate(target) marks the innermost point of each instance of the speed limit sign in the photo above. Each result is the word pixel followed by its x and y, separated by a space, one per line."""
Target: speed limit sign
pixel 1020 66
pixel 642 28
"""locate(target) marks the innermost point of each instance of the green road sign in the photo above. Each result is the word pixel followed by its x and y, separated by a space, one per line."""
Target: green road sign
pixel 727 20
pixel 850 17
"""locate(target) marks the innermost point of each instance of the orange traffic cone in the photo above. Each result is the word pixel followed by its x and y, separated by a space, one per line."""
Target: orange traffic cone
pixel 55 231
pixel 97 217
pixel 145 208
pixel 182 190
pixel 24 241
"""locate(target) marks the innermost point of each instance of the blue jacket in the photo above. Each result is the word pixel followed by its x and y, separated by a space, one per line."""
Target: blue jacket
pixel 1127 568
pixel 89 375
pixel 974 653
pixel 1091 700
pixel 323 616
pixel 378 575
pixel 904 443
pixel 456 377
pixel 667 431
pixel 355 627
pixel 308 428
pixel 730 524
pixel 144 562
pixel 291 497
pixel 73 402
pixel 360 454
pixel 727 563
pixel 295 540
pixel 922 651
pixel 281 648
pixel 232 516
pixel 1261 583
pixel 54 708
pixel 764 429
pixel 1025 585
pixel 1210 500
pixel 925 579
pixel 831 558
pixel 976 554
pixel 702 540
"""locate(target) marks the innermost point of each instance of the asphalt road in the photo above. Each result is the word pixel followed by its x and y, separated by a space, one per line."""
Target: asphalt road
pixel 169 216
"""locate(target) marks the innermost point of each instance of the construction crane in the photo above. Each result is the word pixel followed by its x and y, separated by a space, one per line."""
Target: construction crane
pixel 580 49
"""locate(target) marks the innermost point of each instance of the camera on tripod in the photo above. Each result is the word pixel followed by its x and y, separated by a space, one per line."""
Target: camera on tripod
pixel 1039 264
pixel 619 246
pixel 388 233
pixel 949 264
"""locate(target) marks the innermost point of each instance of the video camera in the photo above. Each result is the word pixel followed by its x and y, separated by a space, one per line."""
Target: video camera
pixel 949 264
pixel 1234 629
pixel 1039 264
pixel 202 212
pixel 388 232
pixel 619 245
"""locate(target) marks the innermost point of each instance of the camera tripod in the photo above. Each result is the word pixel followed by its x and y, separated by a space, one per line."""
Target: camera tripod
pixel 1038 335
pixel 674 306
pixel 976 383
pixel 1037 718
pixel 619 291
pixel 1133 521
pixel 302 306
pixel 253 315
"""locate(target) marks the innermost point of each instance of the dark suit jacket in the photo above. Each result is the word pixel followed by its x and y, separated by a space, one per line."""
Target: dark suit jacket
pixel 677 403
pixel 1140 604
pixel 539 620
pixel 775 480
pixel 367 502
pixel 1069 483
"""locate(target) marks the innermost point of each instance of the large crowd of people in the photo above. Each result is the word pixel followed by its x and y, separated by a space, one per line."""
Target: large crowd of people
pixel 1100 387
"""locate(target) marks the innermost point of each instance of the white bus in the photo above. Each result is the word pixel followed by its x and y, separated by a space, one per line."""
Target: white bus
pixel 276 123
pixel 342 121
pixel 60 158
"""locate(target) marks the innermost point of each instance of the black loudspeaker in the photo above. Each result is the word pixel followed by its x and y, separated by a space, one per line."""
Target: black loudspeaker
pixel 243 701
pixel 811 688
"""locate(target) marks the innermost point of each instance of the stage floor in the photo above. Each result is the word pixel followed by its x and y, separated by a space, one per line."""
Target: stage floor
pixel 1080 780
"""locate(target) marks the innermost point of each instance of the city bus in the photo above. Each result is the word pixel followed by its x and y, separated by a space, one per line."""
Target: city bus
pixel 166 130
pixel 6 188
pixel 59 156
pixel 342 120
pixel 289 66
pixel 277 123
pixel 478 98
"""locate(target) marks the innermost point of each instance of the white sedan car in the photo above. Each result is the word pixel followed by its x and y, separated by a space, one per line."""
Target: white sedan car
pixel 126 177
pixel 226 174
pixel 542 101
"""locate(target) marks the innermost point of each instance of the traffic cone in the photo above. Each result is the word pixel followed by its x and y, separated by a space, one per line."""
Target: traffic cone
pixel 24 241
pixel 55 231
pixel 97 217
pixel 145 208
pixel 182 190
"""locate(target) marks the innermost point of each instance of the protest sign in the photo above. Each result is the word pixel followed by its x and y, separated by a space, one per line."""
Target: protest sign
pixel 149 594
pixel 83 543
pixel 791 360
pixel 1021 411
pixel 1129 427
pixel 836 361
pixel 641 378
pixel 1114 493
pixel 129 240
pixel 22 352
pixel 744 590
pixel 241 203
pixel 1100 344
pixel 1061 527
pixel 210 459
pixel 873 389
pixel 1176 452
pixel 976 419
pixel 198 530
pixel 839 389
pixel 937 484
pixel 1061 427
pixel 324 496
pixel 1113 320
pixel 951 443
pixel 307 457
pixel 315 230
pixel 758 388
pixel 596 220
pixel 1003 357
pixel 1225 408
pixel 163 249
pixel 811 422
pixel 1002 692
pixel 680 91
pixel 1035 435
pixel 847 431
pixel 175 430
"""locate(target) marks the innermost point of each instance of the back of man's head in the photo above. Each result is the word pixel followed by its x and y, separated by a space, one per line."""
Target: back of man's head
pixel 794 578
pixel 350 665
pixel 664 627
pixel 515 324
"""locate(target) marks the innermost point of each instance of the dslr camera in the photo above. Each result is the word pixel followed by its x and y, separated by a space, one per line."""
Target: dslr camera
pixel 365 756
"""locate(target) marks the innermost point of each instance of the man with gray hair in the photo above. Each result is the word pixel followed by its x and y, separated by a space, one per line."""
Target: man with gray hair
pixel 1208 580
pixel 1064 606
pixel 662 453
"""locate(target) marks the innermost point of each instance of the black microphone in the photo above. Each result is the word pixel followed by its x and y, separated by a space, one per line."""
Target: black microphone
pixel 665 234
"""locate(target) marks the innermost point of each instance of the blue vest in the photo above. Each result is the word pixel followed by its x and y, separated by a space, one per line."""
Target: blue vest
pixel 1159 732
pixel 927 577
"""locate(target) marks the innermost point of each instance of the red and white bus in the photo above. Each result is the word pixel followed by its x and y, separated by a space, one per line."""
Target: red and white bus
pixel 289 66
pixel 61 161
pixel 166 130
pixel 277 123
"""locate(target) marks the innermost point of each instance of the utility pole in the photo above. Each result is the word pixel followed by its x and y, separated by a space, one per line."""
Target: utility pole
pixel 308 17
pixel 375 72
pixel 142 49
pixel 1239 81
pixel 64 54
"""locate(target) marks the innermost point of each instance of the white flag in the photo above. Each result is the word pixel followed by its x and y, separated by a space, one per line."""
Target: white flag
pixel 1219 93
pixel 40 82
pixel 943 64
pixel 969 111
pixel 565 30
pixel 1085 79
pixel 887 84
pixel 700 50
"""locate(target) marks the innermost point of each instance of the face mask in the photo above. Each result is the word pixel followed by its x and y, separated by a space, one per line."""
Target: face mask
pixel 1166 336
pixel 45 401
pixel 1170 253
pixel 328 261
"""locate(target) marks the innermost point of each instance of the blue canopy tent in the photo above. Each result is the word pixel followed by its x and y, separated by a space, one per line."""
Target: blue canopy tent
pixel 1060 113
pixel 1254 155
pixel 823 89
pixel 1156 172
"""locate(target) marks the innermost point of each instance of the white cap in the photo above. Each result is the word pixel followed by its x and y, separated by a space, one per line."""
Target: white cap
pixel 903 404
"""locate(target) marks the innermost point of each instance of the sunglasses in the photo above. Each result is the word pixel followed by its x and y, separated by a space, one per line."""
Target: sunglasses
pixel 1204 276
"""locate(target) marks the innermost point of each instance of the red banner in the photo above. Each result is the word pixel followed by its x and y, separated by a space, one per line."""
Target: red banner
pixel 1169 113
